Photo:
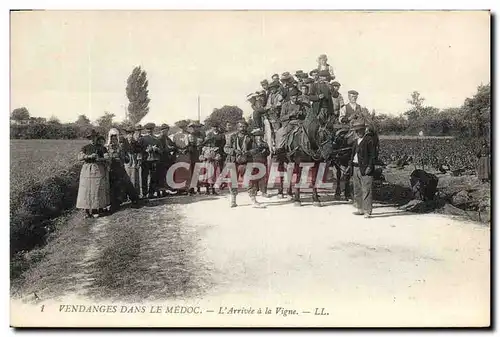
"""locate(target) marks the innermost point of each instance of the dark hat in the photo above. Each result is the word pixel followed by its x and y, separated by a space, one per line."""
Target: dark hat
pixel 324 73
pixel 274 84
pixel 91 134
pixel 323 56
pixel 275 75
pixel 164 126
pixel 149 126
pixel 358 124
pixel 264 82
pixel 335 83
pixel 293 92
pixel 299 72
pixel 195 124
pixel 302 75
pixel 251 96
pixel 138 127
pixel 261 93
pixel 313 71
pixel 101 137
pixel 308 80
pixel 353 92
pixel 286 76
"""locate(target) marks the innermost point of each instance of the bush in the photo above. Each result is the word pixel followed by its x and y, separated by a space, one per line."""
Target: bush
pixel 32 210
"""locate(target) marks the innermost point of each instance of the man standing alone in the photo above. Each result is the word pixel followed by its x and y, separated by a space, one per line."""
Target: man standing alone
pixel 362 167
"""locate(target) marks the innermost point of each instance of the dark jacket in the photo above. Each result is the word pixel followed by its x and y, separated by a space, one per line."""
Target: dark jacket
pixel 366 151
pixel 238 148
pixel 325 102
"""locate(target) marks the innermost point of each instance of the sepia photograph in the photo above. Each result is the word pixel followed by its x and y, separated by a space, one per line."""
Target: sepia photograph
pixel 250 168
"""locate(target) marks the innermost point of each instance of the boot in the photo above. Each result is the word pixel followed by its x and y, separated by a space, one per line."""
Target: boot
pixel 255 203
pixel 213 191
pixel 233 200
pixel 207 192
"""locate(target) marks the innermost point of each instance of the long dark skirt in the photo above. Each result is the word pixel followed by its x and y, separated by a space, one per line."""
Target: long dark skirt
pixel 120 186
pixel 484 168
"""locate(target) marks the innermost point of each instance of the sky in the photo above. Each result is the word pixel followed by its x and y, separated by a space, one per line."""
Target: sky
pixel 67 63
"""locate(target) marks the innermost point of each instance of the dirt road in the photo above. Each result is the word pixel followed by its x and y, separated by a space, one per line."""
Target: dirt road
pixel 396 268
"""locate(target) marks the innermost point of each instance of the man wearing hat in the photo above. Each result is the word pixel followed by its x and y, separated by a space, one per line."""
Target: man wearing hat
pixel 260 152
pixel 151 154
pixel 337 99
pixel 304 95
pixel 287 81
pixel 290 116
pixel 166 159
pixel 258 103
pixel 133 152
pixel 301 76
pixel 137 132
pixel 321 96
pixel 265 89
pixel 238 151
pixel 315 75
pixel 196 140
pixel 351 109
pixel 273 106
pixel 362 168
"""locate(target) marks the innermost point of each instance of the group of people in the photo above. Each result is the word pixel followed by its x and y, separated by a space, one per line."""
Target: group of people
pixel 135 166
pixel 286 100
pixel 123 167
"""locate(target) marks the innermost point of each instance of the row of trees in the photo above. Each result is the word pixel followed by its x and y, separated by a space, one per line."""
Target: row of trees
pixel 472 119
pixel 24 126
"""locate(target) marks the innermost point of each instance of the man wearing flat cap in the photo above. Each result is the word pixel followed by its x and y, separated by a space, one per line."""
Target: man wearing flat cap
pixel 352 109
pixel 321 96
pixel 337 99
pixel 152 151
pixel 362 168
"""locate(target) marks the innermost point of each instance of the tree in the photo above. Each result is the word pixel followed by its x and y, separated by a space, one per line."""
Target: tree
pixel 416 101
pixel 82 120
pixel 54 120
pixel 477 111
pixel 20 114
pixel 105 122
pixel 137 94
pixel 228 113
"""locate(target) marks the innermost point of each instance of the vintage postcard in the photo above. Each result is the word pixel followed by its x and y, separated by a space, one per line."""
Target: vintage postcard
pixel 250 169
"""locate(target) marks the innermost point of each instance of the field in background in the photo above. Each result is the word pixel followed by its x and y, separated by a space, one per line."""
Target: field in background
pixel 414 137
pixel 33 161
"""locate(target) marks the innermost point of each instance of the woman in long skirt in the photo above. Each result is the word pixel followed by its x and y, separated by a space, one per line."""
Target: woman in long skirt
pixel 119 182
pixel 93 191
pixel 483 167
